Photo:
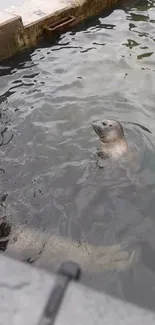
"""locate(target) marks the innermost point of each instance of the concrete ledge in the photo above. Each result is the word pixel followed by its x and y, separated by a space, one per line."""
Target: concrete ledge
pixel 31 296
pixel 9 36
pixel 22 26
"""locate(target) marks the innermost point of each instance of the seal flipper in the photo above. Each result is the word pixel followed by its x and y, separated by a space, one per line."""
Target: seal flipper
pixel 101 154
pixel 101 157
pixel 100 164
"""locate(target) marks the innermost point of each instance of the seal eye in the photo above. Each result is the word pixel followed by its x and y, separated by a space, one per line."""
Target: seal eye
pixel 110 125
pixel 104 123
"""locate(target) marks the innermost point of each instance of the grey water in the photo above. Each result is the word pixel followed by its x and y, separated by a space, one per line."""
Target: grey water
pixel 49 181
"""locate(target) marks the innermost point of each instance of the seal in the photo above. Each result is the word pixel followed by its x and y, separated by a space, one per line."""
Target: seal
pixel 113 141
pixel 30 247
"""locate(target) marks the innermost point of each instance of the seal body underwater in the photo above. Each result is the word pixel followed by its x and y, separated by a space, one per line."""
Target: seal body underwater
pixel 113 141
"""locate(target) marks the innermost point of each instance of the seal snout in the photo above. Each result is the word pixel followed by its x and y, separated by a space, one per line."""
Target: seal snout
pixel 94 123
pixel 97 127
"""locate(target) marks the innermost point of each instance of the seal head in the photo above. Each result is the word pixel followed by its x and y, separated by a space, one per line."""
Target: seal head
pixel 111 134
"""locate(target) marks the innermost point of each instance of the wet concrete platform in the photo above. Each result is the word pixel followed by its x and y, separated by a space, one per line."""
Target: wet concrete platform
pixel 24 22
pixel 32 10
pixel 35 296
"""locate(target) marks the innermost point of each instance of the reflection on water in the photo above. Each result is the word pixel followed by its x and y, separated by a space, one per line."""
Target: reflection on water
pixel 58 203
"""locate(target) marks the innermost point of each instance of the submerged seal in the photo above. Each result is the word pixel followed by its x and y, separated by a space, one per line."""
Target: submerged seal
pixel 111 134
pixel 56 249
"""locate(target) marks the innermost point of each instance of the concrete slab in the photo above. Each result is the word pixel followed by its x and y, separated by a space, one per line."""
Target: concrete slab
pixel 83 306
pixel 31 296
pixel 5 16
pixel 22 287
pixel 33 10
pixel 24 23
pixel 7 3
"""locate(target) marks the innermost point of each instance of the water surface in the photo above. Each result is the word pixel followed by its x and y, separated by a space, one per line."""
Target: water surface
pixel 50 185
